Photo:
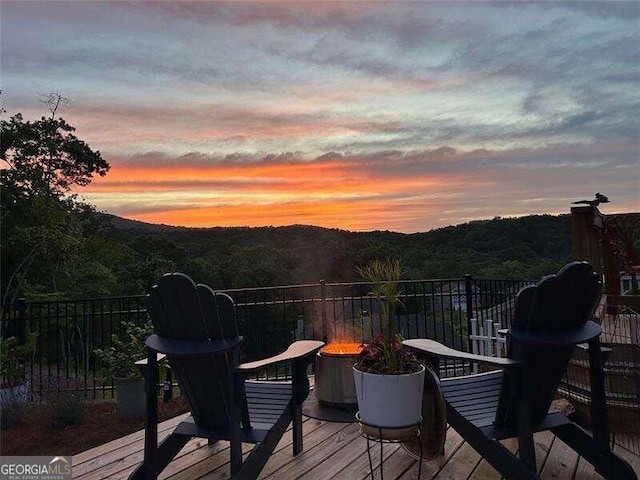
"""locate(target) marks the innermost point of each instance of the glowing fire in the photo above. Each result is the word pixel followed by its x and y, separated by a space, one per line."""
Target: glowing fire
pixel 341 348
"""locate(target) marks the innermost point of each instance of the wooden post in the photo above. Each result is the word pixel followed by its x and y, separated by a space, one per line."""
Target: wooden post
pixel 586 226
pixel 611 268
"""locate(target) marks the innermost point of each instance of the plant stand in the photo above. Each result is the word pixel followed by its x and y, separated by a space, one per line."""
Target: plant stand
pixel 383 435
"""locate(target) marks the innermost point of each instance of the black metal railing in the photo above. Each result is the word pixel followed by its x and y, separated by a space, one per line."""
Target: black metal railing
pixel 269 318
pixel 68 333
pixel 619 317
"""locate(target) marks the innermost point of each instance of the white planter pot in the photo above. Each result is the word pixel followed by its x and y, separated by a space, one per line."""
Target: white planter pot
pixel 391 401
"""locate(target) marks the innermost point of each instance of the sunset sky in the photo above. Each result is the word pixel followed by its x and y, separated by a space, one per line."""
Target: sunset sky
pixel 356 115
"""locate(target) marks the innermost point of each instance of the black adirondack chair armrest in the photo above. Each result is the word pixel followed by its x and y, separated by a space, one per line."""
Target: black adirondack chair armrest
pixel 574 336
pixel 603 349
pixel 302 349
pixel 436 349
pixel 143 362
pixel 190 348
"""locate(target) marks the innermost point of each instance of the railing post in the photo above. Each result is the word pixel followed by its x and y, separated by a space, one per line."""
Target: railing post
pixel 473 341
pixel 323 309
pixel 14 322
pixel 22 319
pixel 468 292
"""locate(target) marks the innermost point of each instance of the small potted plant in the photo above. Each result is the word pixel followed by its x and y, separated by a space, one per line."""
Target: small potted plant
pixel 388 378
pixel 13 356
pixel 120 361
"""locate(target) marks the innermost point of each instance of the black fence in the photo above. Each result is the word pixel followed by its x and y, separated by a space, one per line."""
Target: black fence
pixel 269 318
pixel 68 333
pixel 619 318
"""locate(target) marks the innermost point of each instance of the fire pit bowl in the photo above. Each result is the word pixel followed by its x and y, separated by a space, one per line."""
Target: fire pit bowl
pixel 334 385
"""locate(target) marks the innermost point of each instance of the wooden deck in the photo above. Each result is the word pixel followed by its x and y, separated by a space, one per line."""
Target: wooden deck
pixel 332 451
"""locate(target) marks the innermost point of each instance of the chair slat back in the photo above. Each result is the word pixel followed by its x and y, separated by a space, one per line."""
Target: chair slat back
pixel 561 302
pixel 175 308
pixel 214 318
pixel 566 300
pixel 183 311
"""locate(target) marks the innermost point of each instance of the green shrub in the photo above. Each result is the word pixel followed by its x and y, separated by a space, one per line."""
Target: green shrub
pixel 120 359
pixel 67 408
pixel 12 414
pixel 65 399
pixel 13 355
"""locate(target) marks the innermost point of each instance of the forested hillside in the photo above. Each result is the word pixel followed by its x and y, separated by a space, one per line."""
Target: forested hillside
pixel 88 254
pixel 123 257
pixel 526 247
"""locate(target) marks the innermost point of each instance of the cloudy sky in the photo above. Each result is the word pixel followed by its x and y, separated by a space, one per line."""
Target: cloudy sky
pixel 357 115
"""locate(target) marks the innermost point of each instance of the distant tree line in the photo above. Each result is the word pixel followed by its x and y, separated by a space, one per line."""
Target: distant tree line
pixel 112 261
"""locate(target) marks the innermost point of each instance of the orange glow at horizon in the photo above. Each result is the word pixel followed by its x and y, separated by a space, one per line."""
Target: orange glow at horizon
pixel 360 215
pixel 332 193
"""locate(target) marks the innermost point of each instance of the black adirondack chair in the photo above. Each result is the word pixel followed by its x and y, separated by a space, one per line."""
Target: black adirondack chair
pixel 196 330
pixel 550 319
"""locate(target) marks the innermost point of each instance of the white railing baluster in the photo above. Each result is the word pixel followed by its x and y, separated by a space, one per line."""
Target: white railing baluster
pixel 488 340
pixel 499 342
pixel 474 341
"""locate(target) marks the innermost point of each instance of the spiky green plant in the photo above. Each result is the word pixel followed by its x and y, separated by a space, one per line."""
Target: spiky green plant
pixel 384 353
pixel 385 277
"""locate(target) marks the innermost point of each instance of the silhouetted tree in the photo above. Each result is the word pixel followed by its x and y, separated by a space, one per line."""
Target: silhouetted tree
pixel 44 158
pixel 42 161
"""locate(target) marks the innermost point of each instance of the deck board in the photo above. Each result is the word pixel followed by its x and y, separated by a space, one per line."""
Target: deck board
pixel 432 467
pixel 333 451
pixel 461 464
pixel 585 471
pixel 484 470
pixel 543 442
pixel 106 460
pixel 561 463
pixel 334 442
